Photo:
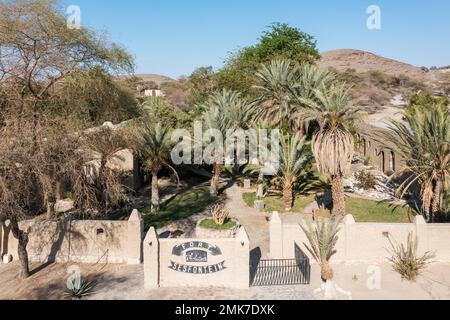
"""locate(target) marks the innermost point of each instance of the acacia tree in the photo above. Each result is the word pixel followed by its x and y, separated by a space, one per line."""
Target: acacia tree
pixel 38 52
pixel 29 163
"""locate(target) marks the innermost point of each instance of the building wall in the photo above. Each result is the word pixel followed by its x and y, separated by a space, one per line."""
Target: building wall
pixel 166 263
pixel 381 158
pixel 79 241
pixel 361 242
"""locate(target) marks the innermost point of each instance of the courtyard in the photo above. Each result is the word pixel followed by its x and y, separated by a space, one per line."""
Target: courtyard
pixel 283 173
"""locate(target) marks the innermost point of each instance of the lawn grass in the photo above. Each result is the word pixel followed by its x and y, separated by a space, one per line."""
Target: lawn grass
pixel 210 224
pixel 362 210
pixel 275 203
pixel 374 211
pixel 182 206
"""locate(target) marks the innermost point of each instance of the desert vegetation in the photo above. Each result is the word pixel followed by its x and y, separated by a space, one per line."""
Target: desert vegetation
pixel 59 85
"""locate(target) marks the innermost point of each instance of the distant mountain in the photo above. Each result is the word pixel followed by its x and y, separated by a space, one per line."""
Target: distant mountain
pixel 363 61
pixel 158 79
pixel 378 81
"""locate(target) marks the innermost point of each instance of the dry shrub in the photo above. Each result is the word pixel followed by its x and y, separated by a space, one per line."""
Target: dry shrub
pixel 219 214
pixel 366 180
pixel 406 260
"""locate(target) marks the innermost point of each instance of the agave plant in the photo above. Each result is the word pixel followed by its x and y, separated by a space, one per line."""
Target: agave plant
pixel 406 260
pixel 322 237
pixel 79 289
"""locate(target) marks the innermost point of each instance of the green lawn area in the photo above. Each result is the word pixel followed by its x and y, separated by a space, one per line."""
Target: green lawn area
pixel 275 203
pixel 187 203
pixel 361 209
pixel 210 224
pixel 373 211
pixel 184 205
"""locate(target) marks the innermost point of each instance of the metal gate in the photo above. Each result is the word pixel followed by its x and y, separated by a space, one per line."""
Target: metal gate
pixel 281 272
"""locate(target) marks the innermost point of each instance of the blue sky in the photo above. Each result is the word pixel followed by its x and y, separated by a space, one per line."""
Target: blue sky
pixel 173 37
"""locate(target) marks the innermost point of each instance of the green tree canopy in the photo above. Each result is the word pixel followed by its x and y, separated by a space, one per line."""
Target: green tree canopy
pixel 280 41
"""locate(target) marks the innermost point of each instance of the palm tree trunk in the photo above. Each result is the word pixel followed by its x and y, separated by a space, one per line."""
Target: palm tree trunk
pixel 261 177
pixel 22 238
pixel 337 189
pixel 436 202
pixel 287 196
pixel 215 179
pixel 326 271
pixel 155 191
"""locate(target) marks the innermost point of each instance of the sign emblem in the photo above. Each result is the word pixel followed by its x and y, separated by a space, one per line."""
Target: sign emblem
pixel 196 252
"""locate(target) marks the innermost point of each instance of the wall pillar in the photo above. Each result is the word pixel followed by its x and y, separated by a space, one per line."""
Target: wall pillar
pixel 151 260
pixel 242 260
pixel 422 234
pixel 348 222
pixel 276 236
pixel 135 230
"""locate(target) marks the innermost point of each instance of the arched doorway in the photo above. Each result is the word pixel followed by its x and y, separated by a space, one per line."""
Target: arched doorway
pixel 383 161
pixel 392 162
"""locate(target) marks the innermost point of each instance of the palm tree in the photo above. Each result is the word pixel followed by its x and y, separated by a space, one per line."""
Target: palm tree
pixel 282 84
pixel 423 140
pixel 155 146
pixel 276 91
pixel 224 111
pixel 333 143
pixel 322 237
pixel 294 157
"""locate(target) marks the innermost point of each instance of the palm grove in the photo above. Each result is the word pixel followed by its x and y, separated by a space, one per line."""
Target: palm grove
pixel 58 82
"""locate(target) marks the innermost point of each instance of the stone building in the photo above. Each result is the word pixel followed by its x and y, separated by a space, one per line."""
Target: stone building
pixel 380 153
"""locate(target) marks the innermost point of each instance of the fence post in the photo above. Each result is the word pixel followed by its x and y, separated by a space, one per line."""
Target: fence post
pixel 135 228
pixel 242 260
pixel 151 260
pixel 276 236
pixel 422 234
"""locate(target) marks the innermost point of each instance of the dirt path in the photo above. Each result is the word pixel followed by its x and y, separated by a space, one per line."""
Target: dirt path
pixel 255 223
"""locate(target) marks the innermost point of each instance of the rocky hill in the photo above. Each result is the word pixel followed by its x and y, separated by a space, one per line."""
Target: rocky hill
pixel 158 79
pixel 378 81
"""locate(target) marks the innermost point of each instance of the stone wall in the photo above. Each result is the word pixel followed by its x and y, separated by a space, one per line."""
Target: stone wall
pixel 360 242
pixel 79 241
pixel 381 158
pixel 196 262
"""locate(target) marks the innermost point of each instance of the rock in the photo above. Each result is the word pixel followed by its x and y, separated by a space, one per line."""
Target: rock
pixel 259 205
pixel 383 190
pixel 63 206
pixel 247 184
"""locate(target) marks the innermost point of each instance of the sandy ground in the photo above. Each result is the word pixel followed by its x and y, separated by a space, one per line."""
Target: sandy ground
pixel 122 282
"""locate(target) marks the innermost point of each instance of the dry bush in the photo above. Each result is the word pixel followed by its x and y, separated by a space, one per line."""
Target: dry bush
pixel 406 260
pixel 366 180
pixel 219 214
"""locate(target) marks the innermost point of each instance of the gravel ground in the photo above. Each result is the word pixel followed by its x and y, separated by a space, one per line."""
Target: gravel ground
pixel 124 282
